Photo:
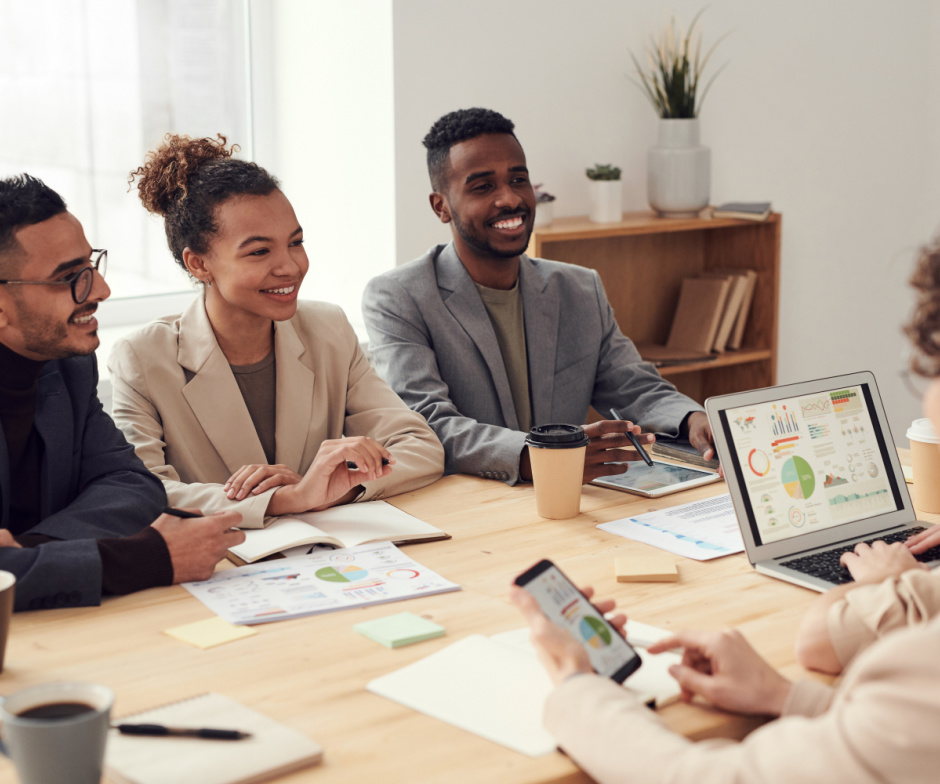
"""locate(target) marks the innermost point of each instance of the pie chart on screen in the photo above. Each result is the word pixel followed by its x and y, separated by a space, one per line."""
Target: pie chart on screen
pixel 594 632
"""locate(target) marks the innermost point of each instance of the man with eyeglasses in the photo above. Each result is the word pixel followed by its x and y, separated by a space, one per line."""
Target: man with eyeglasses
pixel 79 513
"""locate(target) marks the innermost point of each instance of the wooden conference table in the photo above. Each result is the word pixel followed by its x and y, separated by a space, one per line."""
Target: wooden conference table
pixel 311 673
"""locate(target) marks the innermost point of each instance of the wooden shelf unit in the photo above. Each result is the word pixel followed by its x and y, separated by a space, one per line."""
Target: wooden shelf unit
pixel 642 261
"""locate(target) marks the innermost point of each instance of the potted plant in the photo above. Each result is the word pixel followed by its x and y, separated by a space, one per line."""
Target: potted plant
pixel 543 206
pixel 678 167
pixel 606 193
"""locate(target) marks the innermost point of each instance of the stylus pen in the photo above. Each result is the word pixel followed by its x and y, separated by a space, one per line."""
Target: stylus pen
pixel 158 730
pixel 633 440
pixel 170 510
pixel 353 467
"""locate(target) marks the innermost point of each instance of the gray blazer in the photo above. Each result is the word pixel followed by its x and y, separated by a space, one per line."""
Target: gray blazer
pixel 93 487
pixel 433 341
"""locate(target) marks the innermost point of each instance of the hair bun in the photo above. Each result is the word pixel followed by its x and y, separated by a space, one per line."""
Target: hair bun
pixel 163 178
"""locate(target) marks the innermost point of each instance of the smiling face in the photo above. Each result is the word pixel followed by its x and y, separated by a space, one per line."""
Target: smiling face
pixel 489 199
pixel 256 262
pixel 43 322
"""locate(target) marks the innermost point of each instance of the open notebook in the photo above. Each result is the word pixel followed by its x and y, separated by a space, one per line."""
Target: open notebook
pixel 272 750
pixel 501 687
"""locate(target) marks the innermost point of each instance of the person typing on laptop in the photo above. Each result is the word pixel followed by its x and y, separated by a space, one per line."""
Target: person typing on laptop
pixel 876 724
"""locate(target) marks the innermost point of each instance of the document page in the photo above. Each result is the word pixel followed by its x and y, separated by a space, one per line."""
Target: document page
pixel 700 530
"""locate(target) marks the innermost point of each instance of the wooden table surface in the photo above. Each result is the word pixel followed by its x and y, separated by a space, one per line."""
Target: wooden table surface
pixel 311 673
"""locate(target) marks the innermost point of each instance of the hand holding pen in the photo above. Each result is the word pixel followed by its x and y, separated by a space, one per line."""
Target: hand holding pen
pixel 625 438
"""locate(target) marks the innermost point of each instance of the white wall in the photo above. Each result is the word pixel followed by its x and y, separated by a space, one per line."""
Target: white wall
pixel 324 127
pixel 828 110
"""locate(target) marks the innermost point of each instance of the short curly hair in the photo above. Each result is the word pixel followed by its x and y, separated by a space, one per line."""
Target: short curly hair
pixel 457 127
pixel 24 201
pixel 924 326
pixel 184 180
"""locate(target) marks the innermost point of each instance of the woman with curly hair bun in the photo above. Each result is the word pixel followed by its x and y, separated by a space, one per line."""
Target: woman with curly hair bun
pixel 250 400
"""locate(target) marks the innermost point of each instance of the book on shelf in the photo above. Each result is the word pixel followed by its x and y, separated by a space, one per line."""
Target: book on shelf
pixel 339 526
pixel 663 356
pixel 273 749
pixel 732 308
pixel 682 450
pixel 737 332
pixel 698 313
pixel 743 210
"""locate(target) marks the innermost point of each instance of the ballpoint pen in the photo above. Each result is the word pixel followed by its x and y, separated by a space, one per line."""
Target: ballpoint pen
pixel 158 730
pixel 633 440
pixel 170 510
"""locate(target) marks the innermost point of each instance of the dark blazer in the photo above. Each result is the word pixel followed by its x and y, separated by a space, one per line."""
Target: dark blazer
pixel 433 341
pixel 92 487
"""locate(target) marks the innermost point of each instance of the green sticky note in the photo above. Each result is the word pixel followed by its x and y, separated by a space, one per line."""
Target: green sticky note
pixel 394 631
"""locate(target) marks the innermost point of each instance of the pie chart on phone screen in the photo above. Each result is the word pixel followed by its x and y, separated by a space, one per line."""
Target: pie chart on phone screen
pixel 594 632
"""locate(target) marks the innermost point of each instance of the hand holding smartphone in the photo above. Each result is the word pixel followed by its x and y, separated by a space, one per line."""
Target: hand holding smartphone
pixel 564 605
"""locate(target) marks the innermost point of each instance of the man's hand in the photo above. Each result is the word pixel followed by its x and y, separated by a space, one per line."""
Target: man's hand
pixel 607 435
pixel 7 540
pixel 700 434
pixel 560 654
pixel 880 561
pixel 723 668
pixel 196 545
pixel 920 543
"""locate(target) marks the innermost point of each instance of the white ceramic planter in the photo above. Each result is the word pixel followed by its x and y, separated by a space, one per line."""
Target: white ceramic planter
pixel 678 170
pixel 543 213
pixel 606 201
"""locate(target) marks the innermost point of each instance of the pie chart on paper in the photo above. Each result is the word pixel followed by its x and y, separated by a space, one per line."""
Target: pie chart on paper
pixel 798 478
pixel 345 574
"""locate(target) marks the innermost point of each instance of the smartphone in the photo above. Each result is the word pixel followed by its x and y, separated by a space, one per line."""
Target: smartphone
pixel 610 654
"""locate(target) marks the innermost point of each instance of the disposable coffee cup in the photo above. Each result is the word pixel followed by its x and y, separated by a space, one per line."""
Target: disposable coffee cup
pixel 56 732
pixel 556 454
pixel 925 462
pixel 7 591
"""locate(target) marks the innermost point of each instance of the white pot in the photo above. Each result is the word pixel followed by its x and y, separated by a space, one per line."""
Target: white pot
pixel 678 170
pixel 606 201
pixel 543 213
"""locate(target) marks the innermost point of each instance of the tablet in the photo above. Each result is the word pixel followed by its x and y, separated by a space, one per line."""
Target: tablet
pixel 658 479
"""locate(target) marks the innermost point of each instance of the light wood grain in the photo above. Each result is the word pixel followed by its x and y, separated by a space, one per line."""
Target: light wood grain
pixel 642 261
pixel 311 673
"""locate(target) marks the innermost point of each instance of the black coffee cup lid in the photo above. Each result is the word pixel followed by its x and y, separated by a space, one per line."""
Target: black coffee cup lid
pixel 557 436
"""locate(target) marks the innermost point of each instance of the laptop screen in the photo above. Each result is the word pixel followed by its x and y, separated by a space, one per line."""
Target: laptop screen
pixel 810 462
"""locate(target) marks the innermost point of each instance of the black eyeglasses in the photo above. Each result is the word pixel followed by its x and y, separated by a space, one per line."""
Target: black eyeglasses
pixel 81 282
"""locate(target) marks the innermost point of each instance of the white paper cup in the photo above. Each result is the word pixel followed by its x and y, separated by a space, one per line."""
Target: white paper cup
pixel 925 462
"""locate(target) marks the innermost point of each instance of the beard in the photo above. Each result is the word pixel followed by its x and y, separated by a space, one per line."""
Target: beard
pixel 482 246
pixel 51 339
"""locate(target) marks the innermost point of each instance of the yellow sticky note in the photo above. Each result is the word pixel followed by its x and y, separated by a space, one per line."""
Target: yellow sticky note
pixel 210 632
pixel 646 569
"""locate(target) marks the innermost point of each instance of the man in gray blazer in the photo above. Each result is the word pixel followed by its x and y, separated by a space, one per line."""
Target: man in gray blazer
pixel 486 342
pixel 76 505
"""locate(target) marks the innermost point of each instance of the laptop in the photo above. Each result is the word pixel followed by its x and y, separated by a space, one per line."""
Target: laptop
pixel 812 471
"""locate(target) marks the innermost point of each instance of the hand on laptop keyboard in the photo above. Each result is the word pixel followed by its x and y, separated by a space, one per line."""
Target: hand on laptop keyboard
pixel 827 565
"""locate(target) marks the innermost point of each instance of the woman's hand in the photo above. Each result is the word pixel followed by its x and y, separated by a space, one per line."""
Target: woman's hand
pixel 560 654
pixel 329 480
pixel 879 561
pixel 723 668
pixel 255 479
pixel 923 541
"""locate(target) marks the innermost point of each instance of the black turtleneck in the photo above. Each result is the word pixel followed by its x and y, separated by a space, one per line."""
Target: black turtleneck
pixel 19 382
pixel 127 564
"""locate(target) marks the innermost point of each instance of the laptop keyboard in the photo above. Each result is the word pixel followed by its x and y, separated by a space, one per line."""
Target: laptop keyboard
pixel 825 565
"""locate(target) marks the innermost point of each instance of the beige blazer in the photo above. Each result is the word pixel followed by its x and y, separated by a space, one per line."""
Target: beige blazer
pixel 177 402
pixel 880 724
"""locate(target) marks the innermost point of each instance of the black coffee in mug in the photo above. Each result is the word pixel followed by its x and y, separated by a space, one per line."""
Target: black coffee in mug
pixel 55 711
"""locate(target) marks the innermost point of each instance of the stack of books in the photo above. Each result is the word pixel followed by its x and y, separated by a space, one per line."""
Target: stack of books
pixel 743 210
pixel 709 319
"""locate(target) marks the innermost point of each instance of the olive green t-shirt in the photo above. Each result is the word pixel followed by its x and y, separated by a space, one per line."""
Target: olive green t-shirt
pixel 257 383
pixel 505 310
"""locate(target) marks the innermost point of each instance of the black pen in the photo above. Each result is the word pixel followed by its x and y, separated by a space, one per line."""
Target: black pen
pixel 170 510
pixel 353 467
pixel 158 730
pixel 633 440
